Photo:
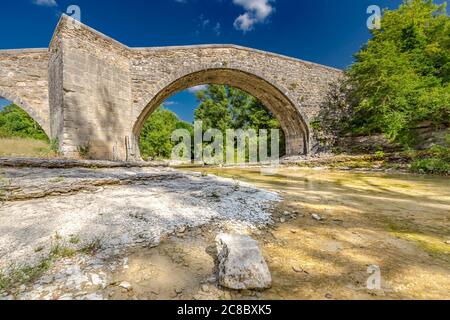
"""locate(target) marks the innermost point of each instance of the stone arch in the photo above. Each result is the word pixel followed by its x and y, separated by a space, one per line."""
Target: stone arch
pixel 27 108
pixel 292 120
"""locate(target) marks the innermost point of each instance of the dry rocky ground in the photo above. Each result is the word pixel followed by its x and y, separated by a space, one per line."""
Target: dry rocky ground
pixel 148 233
pixel 67 231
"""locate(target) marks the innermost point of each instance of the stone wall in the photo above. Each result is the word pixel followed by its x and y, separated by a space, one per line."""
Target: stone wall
pixel 24 81
pixel 96 92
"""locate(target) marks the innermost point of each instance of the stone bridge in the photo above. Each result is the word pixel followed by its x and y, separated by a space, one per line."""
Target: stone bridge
pixel 88 89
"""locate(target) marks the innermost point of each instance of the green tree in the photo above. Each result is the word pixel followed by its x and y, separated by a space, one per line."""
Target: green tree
pixel 214 108
pixel 155 139
pixel 14 122
pixel 401 77
pixel 222 107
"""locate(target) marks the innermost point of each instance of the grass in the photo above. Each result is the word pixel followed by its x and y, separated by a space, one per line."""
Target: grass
pixel 25 147
pixel 74 239
pixel 24 274
pixel 92 247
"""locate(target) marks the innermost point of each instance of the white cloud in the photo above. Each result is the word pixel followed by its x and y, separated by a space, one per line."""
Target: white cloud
pixel 244 22
pixel 217 29
pixel 257 11
pixel 207 25
pixel 198 88
pixel 45 3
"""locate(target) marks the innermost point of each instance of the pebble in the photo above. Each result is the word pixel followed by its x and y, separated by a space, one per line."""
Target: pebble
pixel 447 242
pixel 328 296
pixel 282 220
pixel 297 269
pixel 96 280
pixel 205 288
pixel 125 285
pixel 317 217
pixel 178 290
pixel 181 230
pixel 46 280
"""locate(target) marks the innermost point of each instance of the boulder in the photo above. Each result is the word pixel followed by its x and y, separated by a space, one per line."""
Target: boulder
pixel 241 264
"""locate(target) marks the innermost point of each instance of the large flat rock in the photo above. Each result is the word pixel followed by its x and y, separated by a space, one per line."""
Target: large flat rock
pixel 241 263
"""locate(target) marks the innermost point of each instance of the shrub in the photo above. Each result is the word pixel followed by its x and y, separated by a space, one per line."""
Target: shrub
pixel 435 160
pixel 84 150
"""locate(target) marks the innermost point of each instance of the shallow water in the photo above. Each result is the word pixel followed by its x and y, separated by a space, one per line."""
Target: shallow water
pixel 428 197
pixel 398 222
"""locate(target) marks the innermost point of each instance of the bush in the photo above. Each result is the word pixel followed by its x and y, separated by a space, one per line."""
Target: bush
pixel 84 150
pixel 432 165
pixel 434 161
pixel 54 145
pixel 380 155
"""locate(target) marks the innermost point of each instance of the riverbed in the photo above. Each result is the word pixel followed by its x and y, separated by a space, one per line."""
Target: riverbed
pixel 321 231
pixel 398 222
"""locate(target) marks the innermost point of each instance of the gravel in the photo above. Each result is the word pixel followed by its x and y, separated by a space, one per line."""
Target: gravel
pixel 137 213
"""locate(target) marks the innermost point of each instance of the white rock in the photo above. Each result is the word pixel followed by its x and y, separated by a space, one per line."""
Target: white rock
pixel 181 229
pixel 97 280
pixel 125 285
pixel 317 217
pixel 241 264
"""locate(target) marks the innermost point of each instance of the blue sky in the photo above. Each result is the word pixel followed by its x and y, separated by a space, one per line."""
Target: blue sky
pixel 323 31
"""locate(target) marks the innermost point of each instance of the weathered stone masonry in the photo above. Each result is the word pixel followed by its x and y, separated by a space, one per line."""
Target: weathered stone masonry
pixel 88 89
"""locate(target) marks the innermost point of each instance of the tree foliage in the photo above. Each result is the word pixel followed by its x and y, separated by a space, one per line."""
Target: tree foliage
pixel 155 139
pixel 14 122
pixel 401 77
pixel 222 107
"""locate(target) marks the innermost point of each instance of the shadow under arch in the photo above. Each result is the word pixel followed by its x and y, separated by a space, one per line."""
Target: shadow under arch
pixel 28 109
pixel 292 120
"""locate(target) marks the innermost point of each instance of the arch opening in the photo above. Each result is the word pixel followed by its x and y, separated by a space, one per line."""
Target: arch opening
pixel 20 134
pixel 283 109
pixel 13 99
